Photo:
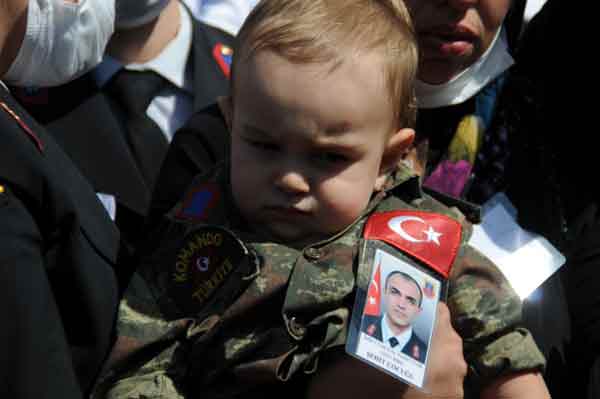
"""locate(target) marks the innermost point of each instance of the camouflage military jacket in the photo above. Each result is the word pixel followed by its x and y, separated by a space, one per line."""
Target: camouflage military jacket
pixel 214 312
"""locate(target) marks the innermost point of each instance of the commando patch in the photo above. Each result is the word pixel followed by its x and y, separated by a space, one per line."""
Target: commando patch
pixel 206 259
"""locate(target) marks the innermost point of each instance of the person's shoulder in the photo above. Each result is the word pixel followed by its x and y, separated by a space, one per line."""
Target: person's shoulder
pixel 205 131
pixel 214 34
pixel 205 120
pixel 23 150
pixel 405 191
pixel 371 325
pixel 416 347
pixel 218 33
pixel 195 149
pixel 418 341
pixel 456 207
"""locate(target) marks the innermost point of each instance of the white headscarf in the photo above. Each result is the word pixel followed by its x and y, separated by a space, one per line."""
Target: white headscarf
pixel 469 82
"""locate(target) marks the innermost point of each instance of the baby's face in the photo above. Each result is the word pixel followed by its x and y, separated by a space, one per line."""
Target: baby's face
pixel 307 143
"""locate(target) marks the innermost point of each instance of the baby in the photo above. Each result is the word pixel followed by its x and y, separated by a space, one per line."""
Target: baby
pixel 252 276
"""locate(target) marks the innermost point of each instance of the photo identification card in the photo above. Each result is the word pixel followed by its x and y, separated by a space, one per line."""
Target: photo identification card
pixel 394 314
pixel 404 265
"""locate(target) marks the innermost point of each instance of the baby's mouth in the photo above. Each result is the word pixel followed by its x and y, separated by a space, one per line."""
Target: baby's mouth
pixel 287 211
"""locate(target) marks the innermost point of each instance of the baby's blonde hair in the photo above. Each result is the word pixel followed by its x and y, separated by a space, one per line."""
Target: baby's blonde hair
pixel 306 31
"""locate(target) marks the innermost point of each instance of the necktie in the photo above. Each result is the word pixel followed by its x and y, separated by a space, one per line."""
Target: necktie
pixel 134 91
pixel 393 342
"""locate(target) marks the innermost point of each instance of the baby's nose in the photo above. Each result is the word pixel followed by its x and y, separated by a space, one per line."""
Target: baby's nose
pixel 292 182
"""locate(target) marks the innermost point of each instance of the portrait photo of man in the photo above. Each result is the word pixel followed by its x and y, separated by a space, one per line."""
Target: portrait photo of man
pixel 402 299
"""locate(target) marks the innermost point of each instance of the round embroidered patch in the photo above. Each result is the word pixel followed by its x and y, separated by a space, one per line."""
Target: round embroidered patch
pixel 207 258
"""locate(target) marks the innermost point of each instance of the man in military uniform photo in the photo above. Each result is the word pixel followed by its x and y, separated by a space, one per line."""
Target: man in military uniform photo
pixel 403 299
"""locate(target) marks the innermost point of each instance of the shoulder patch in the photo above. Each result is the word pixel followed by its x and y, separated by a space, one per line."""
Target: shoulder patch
pixel 428 289
pixel 36 140
pixel 371 329
pixel 223 55
pixel 198 202
pixel 430 237
pixel 208 256
pixel 416 353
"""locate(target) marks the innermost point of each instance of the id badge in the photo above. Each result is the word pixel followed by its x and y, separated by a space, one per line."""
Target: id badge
pixel 403 268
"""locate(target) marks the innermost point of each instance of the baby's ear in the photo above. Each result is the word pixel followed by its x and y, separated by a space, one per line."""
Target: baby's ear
pixel 226 106
pixel 398 144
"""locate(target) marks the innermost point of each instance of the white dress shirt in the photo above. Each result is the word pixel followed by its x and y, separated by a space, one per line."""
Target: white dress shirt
pixel 386 334
pixel 173 106
pixel 532 7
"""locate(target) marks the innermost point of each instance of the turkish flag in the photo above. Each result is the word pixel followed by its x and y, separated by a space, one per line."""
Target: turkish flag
pixel 373 303
pixel 430 237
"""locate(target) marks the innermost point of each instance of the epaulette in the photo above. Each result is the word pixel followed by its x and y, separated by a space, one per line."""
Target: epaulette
pixel 32 136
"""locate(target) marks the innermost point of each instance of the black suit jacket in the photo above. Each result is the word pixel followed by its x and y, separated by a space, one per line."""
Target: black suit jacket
pixel 58 248
pixel 93 134
pixel 415 347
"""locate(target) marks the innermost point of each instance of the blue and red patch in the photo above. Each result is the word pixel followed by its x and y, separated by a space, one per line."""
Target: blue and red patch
pixel 428 290
pixel 223 55
pixel 199 202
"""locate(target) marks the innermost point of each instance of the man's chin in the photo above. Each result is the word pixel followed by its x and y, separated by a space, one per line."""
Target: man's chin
pixel 402 323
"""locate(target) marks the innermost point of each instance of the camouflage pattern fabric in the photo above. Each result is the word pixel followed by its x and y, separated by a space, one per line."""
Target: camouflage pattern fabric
pixel 257 328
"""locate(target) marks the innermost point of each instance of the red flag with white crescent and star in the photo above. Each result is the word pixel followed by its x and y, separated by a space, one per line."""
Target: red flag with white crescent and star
pixel 430 237
pixel 373 305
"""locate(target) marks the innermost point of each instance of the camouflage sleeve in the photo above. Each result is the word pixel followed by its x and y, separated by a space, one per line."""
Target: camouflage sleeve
pixel 146 360
pixel 486 312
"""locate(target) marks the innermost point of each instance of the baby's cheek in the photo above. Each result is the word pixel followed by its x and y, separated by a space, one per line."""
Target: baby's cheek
pixel 345 202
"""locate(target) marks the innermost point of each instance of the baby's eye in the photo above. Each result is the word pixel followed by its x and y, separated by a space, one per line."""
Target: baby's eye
pixel 331 157
pixel 262 145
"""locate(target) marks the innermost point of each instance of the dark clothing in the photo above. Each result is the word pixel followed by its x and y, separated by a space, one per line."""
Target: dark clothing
pixel 504 164
pixel 553 176
pixel 58 250
pixel 548 304
pixel 93 133
pixel 415 347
